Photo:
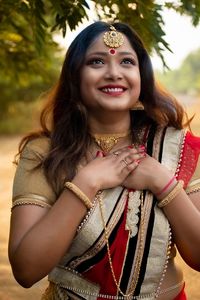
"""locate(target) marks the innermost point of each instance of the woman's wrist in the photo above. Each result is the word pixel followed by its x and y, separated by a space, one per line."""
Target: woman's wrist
pixel 171 194
pixel 162 184
pixel 88 187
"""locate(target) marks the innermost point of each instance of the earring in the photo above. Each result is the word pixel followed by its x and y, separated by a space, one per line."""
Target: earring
pixel 138 106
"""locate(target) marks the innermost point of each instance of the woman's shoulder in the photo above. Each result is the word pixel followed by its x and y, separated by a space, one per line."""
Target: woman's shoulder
pixel 39 146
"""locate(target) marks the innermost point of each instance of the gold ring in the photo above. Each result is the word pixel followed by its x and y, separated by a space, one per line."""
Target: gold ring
pixel 124 160
pixel 116 153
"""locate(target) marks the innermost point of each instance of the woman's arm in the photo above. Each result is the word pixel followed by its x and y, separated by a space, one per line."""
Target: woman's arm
pixel 183 213
pixel 39 237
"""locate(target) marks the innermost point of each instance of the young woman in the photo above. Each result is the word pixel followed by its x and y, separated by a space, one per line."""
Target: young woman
pixel 110 187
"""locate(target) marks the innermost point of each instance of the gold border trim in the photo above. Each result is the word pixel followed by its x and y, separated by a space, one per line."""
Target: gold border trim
pixel 135 271
pixel 156 263
pixel 172 146
pixel 161 231
pixel 194 187
pixel 30 199
pixel 67 279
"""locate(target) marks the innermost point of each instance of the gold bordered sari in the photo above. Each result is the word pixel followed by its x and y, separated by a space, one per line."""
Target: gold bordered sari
pixel 84 272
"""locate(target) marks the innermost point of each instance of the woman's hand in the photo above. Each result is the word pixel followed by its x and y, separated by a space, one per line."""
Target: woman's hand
pixel 111 170
pixel 149 174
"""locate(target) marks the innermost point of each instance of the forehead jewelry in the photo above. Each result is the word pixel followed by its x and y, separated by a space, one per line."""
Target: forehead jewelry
pixel 113 39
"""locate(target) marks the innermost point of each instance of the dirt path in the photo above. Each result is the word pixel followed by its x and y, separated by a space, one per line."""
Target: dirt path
pixel 9 289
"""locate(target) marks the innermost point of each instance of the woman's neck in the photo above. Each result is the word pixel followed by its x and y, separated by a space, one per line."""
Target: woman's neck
pixel 109 125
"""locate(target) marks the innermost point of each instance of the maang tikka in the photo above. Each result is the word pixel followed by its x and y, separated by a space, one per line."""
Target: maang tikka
pixel 113 39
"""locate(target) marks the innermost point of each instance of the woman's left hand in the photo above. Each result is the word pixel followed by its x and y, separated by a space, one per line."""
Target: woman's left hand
pixel 149 174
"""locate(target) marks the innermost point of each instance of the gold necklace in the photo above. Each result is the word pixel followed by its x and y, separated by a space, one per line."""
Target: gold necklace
pixel 140 252
pixel 107 141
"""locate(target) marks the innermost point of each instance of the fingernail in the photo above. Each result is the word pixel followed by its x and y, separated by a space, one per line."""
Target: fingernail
pixel 130 147
pixel 97 154
pixel 142 147
pixel 137 161
pixel 143 154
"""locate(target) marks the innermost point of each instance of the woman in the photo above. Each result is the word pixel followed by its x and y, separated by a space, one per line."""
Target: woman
pixel 111 184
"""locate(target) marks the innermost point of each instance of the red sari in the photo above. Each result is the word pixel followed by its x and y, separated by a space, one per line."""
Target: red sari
pixel 181 295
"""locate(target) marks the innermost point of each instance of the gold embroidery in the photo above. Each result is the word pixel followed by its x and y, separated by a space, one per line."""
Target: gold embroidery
pixel 132 213
pixel 145 214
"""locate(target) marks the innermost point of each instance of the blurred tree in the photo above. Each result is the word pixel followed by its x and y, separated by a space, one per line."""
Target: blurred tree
pixel 27 26
pixel 186 79
pixel 24 74
pixel 30 59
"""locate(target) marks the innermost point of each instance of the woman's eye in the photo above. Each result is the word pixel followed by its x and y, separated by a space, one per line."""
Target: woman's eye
pixel 128 61
pixel 95 61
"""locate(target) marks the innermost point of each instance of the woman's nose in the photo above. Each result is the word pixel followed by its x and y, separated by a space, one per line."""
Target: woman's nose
pixel 113 72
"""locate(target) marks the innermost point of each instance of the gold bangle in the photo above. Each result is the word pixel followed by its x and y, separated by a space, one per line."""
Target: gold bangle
pixel 73 188
pixel 166 200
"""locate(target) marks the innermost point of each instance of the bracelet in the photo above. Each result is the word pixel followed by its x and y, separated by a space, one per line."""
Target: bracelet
pixel 166 186
pixel 73 188
pixel 166 200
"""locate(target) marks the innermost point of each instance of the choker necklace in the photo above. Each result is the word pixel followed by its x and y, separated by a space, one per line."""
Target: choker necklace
pixel 107 141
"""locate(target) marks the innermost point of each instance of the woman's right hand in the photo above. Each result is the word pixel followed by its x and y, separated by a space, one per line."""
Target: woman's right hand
pixel 109 171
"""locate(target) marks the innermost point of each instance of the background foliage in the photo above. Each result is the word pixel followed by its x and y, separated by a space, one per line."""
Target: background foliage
pixel 185 79
pixel 31 59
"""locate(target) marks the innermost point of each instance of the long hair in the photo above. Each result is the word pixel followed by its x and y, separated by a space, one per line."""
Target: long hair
pixel 65 120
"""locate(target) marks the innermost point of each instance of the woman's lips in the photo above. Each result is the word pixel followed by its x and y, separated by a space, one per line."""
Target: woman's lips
pixel 113 90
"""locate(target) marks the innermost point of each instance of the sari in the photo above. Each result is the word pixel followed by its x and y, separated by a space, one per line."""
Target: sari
pixel 181 295
pixel 140 238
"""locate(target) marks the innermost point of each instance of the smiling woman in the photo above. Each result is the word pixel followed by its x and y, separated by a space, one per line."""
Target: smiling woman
pixel 110 81
pixel 107 190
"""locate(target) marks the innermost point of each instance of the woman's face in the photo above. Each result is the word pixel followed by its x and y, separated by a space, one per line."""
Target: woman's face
pixel 110 82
